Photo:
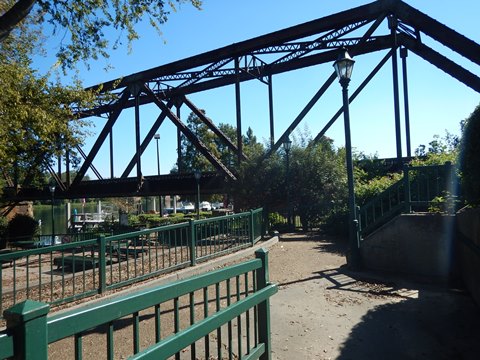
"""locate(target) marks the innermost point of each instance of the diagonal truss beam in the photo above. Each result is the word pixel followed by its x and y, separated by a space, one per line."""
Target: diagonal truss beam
pixel 440 61
pixel 352 97
pixel 147 140
pixel 102 136
pixel 436 30
pixel 226 140
pixel 324 87
pixel 190 135
pixel 94 169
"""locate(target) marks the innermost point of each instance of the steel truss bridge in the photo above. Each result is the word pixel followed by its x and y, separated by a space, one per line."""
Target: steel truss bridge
pixel 301 46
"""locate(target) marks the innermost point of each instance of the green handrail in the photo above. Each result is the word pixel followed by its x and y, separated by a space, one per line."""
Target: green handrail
pixel 85 268
pixel 30 330
pixel 418 187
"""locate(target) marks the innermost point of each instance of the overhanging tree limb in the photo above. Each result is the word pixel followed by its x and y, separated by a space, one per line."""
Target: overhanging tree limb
pixel 14 16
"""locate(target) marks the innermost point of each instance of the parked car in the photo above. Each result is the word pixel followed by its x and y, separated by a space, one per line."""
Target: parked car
pixel 186 207
pixel 205 206
pixel 217 205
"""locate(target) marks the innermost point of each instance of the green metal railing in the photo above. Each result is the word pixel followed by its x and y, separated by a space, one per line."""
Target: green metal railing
pixel 67 272
pixel 415 192
pixel 223 313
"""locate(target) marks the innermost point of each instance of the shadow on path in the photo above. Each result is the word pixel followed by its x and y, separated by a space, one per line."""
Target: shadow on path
pixel 425 322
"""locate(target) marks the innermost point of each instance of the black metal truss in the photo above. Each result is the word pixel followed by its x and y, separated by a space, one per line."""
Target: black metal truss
pixel 297 47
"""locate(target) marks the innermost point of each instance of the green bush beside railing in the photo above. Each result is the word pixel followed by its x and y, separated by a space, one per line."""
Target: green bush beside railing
pixel 417 189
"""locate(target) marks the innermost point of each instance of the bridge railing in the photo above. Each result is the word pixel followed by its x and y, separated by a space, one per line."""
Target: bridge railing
pixel 67 272
pixel 219 314
pixel 415 192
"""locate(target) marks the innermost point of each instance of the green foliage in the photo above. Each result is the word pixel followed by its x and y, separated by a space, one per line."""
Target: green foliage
pixel 276 221
pixel 366 190
pixel 193 160
pixel 154 220
pixel 336 222
pixel 445 204
pixel 84 26
pixel 22 227
pixel 260 184
pixel 318 182
pixel 38 121
pixel 470 158
pixel 3 232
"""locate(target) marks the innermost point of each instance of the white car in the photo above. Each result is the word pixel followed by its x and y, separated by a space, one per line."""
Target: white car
pixel 205 206
pixel 217 205
pixel 186 207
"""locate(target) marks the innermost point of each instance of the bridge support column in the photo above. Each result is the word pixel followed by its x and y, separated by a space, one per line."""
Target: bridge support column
pixel 392 23
pixel 239 111
pixel 403 55
pixel 270 108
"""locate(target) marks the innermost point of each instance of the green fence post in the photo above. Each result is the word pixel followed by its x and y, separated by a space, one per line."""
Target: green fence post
pixel 450 192
pixel 252 228
pixel 406 185
pixel 28 323
pixel 265 225
pixel 262 278
pixel 193 241
pixel 102 265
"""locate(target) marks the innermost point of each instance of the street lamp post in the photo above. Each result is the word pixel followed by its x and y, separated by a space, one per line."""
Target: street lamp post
pixel 157 137
pixel 52 192
pixel 344 67
pixel 198 175
pixel 287 145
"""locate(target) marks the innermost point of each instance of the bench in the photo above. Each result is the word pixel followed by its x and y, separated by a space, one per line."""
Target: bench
pixel 76 262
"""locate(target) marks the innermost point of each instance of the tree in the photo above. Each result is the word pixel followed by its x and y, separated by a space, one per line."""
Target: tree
pixel 37 121
pixel 469 158
pixel 84 25
pixel 37 115
pixel 193 160
pixel 317 182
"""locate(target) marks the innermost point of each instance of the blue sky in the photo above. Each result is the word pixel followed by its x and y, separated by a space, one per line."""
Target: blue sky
pixel 437 101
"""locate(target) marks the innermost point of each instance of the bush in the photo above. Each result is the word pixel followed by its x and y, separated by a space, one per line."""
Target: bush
pixel 3 232
pixel 22 227
pixel 276 221
pixel 470 159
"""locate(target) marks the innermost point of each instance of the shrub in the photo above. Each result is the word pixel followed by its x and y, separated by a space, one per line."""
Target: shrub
pixel 22 227
pixel 470 159
pixel 3 232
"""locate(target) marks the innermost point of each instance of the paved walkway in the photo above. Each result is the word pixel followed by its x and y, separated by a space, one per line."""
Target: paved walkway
pixel 331 313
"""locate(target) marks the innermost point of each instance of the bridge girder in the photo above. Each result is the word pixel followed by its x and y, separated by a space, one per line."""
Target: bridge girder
pixel 301 46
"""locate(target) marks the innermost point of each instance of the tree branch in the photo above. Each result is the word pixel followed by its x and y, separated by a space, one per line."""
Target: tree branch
pixel 14 16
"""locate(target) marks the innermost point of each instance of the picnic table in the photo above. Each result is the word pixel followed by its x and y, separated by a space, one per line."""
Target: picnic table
pixel 76 262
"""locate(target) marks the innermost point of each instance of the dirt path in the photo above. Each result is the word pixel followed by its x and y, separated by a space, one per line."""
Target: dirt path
pixel 323 311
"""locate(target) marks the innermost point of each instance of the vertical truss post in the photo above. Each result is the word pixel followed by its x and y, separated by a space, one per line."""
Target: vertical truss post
pixel 67 168
pixel 112 174
pixel 179 143
pixel 137 134
pixel 403 55
pixel 59 165
pixel 392 24
pixel 270 108
pixel 239 111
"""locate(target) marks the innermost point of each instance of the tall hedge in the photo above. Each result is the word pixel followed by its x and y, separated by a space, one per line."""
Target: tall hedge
pixel 470 158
